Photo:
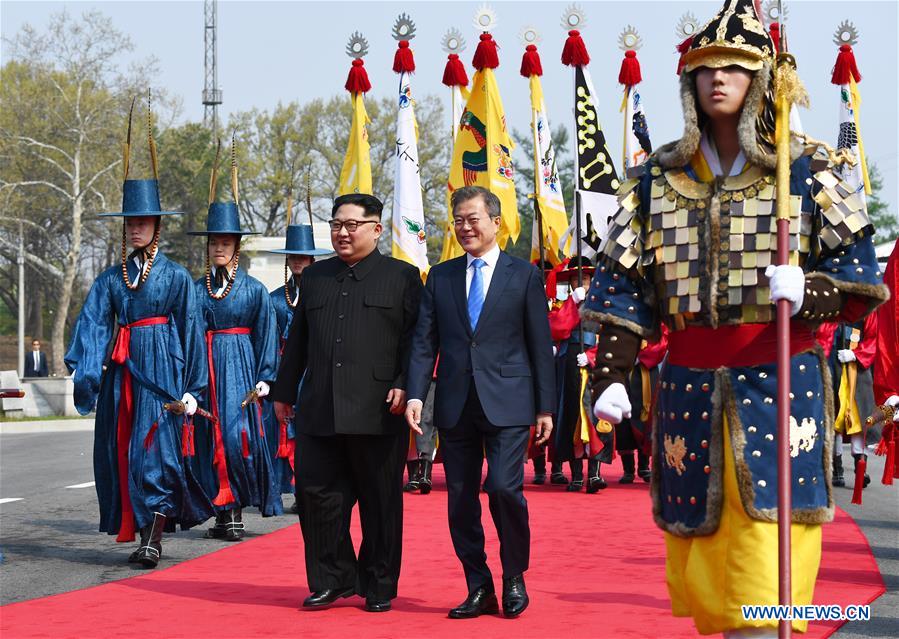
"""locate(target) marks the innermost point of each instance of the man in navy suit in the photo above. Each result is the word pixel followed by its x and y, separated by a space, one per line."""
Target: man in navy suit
pixel 36 361
pixel 485 313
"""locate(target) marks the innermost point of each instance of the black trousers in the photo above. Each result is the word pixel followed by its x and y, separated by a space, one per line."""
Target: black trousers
pixel 463 448
pixel 332 474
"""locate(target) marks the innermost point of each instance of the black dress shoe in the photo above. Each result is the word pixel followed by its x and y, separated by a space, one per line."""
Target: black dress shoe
pixel 327 596
pixel 515 596
pixel 575 486
pixel 373 604
pixel 539 479
pixel 480 601
pixel 595 484
pixel 558 478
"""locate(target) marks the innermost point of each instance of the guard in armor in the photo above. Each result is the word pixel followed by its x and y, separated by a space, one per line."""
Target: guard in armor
pixel 692 247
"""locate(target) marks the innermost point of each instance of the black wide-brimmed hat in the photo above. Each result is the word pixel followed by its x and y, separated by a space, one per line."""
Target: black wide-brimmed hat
pixel 223 218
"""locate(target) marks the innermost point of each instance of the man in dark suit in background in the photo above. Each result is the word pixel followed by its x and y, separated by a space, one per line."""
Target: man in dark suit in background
pixel 350 336
pixel 36 361
pixel 485 313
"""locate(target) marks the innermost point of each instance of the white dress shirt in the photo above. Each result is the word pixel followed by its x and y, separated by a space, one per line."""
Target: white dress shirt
pixel 37 361
pixel 490 259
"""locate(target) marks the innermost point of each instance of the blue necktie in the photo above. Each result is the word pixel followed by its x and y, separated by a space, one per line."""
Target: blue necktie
pixel 476 292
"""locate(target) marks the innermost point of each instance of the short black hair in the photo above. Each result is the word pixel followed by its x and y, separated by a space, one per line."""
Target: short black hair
pixel 471 192
pixel 372 206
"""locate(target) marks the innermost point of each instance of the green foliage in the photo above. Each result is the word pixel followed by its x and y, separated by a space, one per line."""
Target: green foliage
pixel 885 221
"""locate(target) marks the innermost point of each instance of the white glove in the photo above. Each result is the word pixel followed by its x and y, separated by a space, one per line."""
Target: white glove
pixel 893 400
pixel 582 360
pixel 579 294
pixel 845 356
pixel 262 389
pixel 787 283
pixel 190 403
pixel 555 351
pixel 613 405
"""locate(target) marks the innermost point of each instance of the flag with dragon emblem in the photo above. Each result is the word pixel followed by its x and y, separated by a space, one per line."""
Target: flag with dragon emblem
pixel 482 154
pixel 409 237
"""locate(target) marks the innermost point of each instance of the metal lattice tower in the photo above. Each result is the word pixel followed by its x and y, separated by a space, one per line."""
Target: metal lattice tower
pixel 212 95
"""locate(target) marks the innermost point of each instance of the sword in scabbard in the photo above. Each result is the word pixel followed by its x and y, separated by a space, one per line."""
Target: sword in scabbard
pixel 251 397
pixel 882 414
pixel 178 408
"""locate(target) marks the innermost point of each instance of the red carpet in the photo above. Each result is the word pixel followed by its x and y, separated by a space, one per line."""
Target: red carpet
pixel 597 569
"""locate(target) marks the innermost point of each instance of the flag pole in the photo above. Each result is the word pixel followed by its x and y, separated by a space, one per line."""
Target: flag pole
pixel 786 67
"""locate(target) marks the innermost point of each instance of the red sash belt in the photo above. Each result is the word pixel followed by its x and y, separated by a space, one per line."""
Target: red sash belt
pixel 121 353
pixel 733 346
pixel 224 496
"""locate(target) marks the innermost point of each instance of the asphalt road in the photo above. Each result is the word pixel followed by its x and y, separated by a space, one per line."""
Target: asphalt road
pixel 50 543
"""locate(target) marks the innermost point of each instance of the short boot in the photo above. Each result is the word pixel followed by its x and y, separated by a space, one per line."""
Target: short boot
pixel 643 471
pixel 577 476
pixel 425 465
pixel 627 463
pixel 233 525
pixel 134 558
pixel 414 470
pixel 556 476
pixel 595 482
pixel 838 478
pixel 858 457
pixel 218 529
pixel 149 555
pixel 540 469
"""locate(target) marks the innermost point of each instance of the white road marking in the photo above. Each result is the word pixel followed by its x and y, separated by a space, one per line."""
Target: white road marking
pixel 6 500
pixel 86 484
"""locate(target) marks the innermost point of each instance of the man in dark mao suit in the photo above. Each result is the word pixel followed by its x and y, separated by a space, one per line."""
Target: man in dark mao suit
pixel 485 313
pixel 350 337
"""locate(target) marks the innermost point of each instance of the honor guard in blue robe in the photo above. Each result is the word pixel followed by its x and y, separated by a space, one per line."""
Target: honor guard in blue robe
pixel 148 306
pixel 233 458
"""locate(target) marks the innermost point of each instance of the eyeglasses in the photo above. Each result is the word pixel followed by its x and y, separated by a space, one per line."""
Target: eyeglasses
pixel 350 225
pixel 460 222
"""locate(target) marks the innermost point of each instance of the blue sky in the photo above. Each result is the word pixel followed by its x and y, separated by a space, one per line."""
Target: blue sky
pixel 282 51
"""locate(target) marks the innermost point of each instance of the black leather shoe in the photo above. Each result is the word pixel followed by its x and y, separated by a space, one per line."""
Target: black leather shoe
pixel 575 486
pixel 595 484
pixel 539 479
pixel 838 479
pixel 327 596
pixel 425 481
pixel 558 478
pixel 515 596
pixel 149 554
pixel 373 604
pixel 480 601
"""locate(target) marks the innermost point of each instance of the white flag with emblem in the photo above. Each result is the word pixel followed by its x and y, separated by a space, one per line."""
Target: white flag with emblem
pixel 408 226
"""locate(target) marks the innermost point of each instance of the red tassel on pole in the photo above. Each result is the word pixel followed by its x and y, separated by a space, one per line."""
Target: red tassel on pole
pixel 629 75
pixel 860 469
pixel 682 49
pixel 774 31
pixel 530 62
pixel 454 73
pixel 357 80
pixel 845 66
pixel 403 62
pixel 574 53
pixel 485 56
pixel 185 439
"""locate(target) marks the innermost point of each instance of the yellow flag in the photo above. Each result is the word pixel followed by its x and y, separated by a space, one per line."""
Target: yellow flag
pixel 355 176
pixel 482 154
pixel 547 187
pixel 451 246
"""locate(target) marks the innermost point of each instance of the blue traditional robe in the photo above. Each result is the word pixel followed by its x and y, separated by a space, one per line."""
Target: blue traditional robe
pixel 284 472
pixel 239 361
pixel 169 356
